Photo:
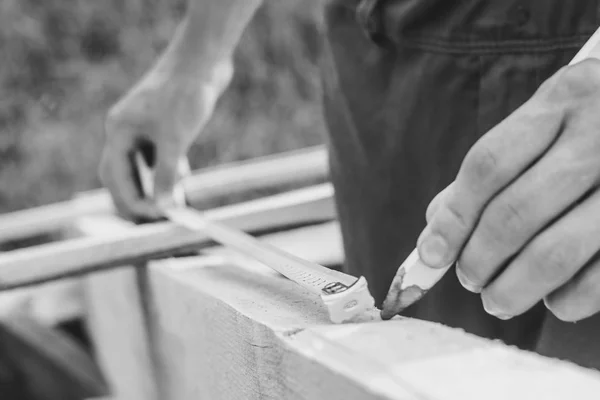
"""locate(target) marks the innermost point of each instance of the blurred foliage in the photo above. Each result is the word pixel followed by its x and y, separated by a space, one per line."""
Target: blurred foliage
pixel 65 62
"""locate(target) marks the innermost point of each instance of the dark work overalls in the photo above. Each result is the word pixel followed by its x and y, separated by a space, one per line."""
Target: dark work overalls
pixel 409 86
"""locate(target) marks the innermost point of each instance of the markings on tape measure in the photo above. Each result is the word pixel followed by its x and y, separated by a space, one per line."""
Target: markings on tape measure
pixel 334 287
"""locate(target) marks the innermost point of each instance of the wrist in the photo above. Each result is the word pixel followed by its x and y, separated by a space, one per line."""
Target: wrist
pixel 194 61
pixel 205 40
pixel 193 71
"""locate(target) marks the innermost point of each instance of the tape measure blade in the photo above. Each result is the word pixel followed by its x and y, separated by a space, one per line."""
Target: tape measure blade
pixel 311 276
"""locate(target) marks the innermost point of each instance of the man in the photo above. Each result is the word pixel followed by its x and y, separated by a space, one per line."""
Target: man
pixel 467 99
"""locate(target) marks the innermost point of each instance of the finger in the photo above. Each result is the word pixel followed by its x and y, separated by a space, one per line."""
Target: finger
pixel 118 176
pixel 547 262
pixel 167 173
pixel 184 171
pixel 545 191
pixel 183 168
pixel 435 203
pixel 579 298
pixel 493 162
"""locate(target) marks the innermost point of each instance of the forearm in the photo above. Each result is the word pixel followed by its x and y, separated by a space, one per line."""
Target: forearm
pixel 207 37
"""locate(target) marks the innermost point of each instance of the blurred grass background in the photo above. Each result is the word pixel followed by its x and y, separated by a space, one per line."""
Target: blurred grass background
pixel 65 62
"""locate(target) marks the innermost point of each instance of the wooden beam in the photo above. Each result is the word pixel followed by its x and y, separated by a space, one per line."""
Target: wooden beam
pixel 117 321
pixel 115 309
pixel 231 330
pixel 118 318
pixel 52 261
pixel 290 168
pixel 221 326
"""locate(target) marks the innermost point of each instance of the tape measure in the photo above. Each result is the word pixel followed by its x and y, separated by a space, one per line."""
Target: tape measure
pixel 344 296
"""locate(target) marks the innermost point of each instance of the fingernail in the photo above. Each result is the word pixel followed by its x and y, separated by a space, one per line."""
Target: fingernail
pixel 433 251
pixel 466 282
pixel 492 309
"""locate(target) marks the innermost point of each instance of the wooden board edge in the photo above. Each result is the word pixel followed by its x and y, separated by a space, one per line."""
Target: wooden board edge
pixel 278 343
pixel 115 315
pixel 75 257
pixel 286 168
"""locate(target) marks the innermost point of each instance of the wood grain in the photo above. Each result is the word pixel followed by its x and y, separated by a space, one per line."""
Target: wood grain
pixel 78 256
pixel 223 327
pixel 118 317
pixel 114 308
pixel 226 329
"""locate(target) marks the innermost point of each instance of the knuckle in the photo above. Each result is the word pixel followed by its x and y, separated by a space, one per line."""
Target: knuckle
pixel 512 217
pixel 577 299
pixel 435 203
pixel 113 122
pixel 122 118
pixel 456 217
pixel 584 74
pixel 481 163
pixel 104 171
pixel 504 222
pixel 430 212
pixel 552 263
pixel 578 81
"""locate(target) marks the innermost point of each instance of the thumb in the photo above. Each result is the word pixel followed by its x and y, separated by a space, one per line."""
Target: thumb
pixel 183 171
pixel 183 167
pixel 435 203
pixel 170 167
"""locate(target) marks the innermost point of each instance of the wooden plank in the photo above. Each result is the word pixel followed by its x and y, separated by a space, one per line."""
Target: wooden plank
pixel 228 331
pixel 232 179
pixel 59 301
pixel 69 258
pixel 287 169
pixel 116 319
pixel 225 327
pixel 344 295
pixel 116 293
pixel 113 298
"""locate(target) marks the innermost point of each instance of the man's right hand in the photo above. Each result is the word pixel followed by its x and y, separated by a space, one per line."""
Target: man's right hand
pixel 164 112
pixel 160 117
